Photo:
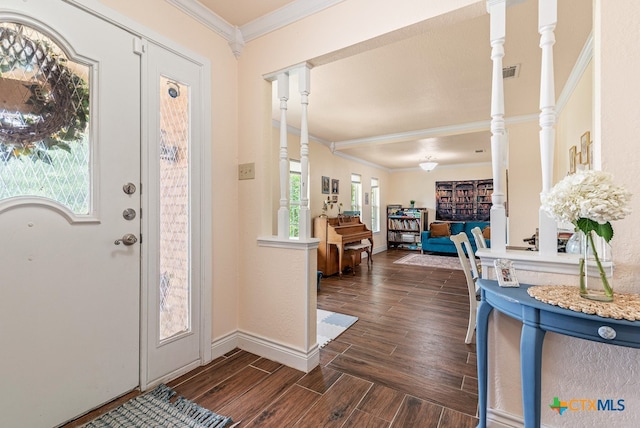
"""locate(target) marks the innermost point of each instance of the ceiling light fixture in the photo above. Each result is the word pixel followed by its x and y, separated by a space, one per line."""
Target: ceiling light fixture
pixel 428 166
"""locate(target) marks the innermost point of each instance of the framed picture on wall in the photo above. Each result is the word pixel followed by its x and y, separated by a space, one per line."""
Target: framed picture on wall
pixel 335 186
pixel 585 141
pixel 572 159
pixel 326 186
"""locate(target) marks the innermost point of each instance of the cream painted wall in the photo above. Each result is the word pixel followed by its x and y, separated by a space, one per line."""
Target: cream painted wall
pixel 242 131
pixel 573 121
pixel 420 185
pixel 324 163
pixel 574 368
pixel 327 164
pixel 616 124
pixel 166 20
pixel 325 32
pixel 525 181
pixel 286 326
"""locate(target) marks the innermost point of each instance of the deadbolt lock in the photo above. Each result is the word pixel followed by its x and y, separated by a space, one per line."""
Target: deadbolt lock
pixel 129 214
pixel 129 188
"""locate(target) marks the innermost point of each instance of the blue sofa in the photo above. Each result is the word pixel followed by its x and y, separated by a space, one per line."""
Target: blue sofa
pixel 444 244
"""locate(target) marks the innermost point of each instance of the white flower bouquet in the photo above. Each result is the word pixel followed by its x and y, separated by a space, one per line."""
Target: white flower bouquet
pixel 591 201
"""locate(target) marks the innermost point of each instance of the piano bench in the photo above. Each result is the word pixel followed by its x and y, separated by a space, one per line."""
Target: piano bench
pixel 352 249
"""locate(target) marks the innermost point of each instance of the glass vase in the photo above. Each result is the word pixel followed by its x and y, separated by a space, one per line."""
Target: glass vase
pixel 596 268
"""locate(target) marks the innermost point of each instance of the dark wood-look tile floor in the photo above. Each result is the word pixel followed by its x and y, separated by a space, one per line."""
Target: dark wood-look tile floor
pixel 403 364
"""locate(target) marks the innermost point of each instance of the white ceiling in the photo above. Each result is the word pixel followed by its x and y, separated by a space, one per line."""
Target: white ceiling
pixel 425 92
pixel 240 12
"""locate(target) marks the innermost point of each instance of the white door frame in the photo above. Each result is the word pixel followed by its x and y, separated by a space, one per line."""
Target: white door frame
pixel 202 266
pixel 178 354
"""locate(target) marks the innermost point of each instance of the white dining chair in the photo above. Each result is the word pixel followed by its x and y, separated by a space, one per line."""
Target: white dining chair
pixel 478 237
pixel 470 268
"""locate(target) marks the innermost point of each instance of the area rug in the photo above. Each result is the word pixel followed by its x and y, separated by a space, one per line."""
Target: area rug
pixel 430 260
pixel 154 409
pixel 332 325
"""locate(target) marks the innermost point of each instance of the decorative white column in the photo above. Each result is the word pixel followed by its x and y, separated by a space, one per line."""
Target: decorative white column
pixel 304 85
pixel 547 19
pixel 283 211
pixel 497 11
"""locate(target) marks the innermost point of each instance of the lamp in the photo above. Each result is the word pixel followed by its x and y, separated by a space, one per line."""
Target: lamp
pixel 428 166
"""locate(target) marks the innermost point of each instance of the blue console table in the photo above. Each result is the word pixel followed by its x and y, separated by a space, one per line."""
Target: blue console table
pixel 538 318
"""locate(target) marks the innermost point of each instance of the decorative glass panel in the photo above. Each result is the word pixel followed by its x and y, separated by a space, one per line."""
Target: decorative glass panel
pixel 175 283
pixel 44 120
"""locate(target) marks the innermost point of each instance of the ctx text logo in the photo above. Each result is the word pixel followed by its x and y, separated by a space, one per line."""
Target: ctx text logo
pixel 587 405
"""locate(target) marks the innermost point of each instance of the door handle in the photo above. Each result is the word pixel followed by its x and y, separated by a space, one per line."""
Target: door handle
pixel 127 239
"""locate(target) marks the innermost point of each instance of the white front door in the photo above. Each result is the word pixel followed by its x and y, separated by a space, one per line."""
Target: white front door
pixel 69 296
pixel 172 224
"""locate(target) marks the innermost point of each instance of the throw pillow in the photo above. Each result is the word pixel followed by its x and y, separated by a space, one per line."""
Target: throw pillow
pixel 486 232
pixel 439 230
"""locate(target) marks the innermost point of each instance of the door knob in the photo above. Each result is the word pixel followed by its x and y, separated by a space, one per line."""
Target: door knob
pixel 127 239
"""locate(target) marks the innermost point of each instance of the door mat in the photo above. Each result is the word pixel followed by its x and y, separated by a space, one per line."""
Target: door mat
pixel 154 409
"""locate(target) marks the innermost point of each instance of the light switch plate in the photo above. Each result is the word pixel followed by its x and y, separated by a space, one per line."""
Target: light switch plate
pixel 246 171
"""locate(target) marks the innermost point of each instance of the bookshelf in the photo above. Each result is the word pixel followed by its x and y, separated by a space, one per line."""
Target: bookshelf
pixel 468 200
pixel 404 226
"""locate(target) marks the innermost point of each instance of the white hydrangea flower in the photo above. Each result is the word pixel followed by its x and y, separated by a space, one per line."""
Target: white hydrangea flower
pixel 587 194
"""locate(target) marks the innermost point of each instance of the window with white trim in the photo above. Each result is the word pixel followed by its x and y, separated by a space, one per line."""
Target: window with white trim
pixel 295 178
pixel 375 205
pixel 356 193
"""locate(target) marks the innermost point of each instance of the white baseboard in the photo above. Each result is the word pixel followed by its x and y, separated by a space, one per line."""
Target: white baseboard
pixel 502 419
pixel 294 358
pixel 223 345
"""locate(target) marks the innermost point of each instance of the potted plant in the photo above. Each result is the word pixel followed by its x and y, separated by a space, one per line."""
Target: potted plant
pixel 412 202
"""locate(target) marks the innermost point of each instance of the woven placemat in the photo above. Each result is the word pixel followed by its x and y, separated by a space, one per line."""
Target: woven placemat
pixel 624 306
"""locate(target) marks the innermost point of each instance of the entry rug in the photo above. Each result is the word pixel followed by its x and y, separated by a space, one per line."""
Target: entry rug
pixel 154 409
pixel 332 325
pixel 430 260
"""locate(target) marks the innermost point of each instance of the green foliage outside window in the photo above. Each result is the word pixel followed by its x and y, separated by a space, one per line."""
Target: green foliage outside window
pixel 294 205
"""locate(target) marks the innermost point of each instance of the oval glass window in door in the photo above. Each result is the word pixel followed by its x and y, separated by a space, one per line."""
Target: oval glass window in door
pixel 44 120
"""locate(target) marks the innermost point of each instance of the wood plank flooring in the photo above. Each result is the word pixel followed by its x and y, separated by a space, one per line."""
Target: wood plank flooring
pixel 403 364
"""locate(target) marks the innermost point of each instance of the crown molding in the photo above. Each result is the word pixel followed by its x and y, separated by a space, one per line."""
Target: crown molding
pixel 462 128
pixel 195 9
pixel 284 16
pixel 205 16
pixel 361 161
pixel 414 135
pixel 238 36
pixel 441 166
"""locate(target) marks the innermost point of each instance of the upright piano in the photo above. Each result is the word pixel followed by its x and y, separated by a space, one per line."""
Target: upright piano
pixel 334 234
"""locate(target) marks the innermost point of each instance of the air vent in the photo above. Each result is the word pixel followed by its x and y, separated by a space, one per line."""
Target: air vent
pixel 511 72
